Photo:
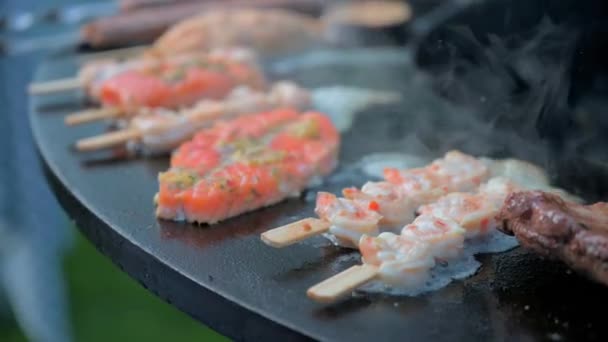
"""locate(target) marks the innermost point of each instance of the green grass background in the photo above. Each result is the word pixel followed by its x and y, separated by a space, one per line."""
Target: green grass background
pixel 107 305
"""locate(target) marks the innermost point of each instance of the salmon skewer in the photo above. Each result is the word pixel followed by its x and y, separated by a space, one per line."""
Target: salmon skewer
pixel 94 72
pixel 160 130
pixel 174 83
pixel 122 88
pixel 98 65
pixel 385 205
pixel 263 30
pixel 246 164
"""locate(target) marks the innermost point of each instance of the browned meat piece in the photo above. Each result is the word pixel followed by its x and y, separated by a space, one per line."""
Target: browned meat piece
pixel 267 30
pixel 308 6
pixel 133 5
pixel 574 233
pixel 147 24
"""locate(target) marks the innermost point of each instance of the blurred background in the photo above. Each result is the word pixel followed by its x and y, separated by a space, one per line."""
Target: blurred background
pixel 104 304
pixel 54 285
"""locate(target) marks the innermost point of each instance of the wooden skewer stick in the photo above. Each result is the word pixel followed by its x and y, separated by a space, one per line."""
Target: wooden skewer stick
pixel 107 140
pixel 342 284
pixel 294 232
pixel 64 84
pixel 73 83
pixel 91 115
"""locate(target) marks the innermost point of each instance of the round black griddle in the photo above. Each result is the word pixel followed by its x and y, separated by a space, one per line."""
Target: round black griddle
pixel 227 278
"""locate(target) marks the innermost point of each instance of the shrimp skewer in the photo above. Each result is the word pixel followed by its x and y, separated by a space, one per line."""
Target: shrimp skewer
pixel 400 260
pixel 392 203
pixel 398 198
pixel 160 130
pixel 439 231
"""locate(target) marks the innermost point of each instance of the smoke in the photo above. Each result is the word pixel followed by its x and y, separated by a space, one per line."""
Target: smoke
pixel 529 95
pixel 517 93
pixel 517 88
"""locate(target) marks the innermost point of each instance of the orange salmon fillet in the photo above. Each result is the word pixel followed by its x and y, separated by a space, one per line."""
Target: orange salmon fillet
pixel 173 85
pixel 245 164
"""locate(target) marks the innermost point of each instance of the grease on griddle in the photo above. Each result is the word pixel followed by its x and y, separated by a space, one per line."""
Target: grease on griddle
pixel 447 272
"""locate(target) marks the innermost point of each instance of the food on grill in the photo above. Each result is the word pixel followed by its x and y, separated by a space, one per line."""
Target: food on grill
pixel 247 163
pixel 175 82
pixel 448 187
pixel 269 30
pixel 405 260
pixel 385 205
pixel 456 219
pixel 521 172
pixel 436 236
pixel 542 221
pixel 442 226
pixel 307 6
pixel 139 27
pixel 557 228
pixel 526 175
pixel 475 212
pixel 144 25
pixel 145 81
pixel 160 130
pixel 394 202
pixel 153 131
pixel 94 73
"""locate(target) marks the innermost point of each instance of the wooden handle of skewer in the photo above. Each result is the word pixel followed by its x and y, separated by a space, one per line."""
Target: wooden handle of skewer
pixel 54 86
pixel 342 284
pixel 91 115
pixel 294 232
pixel 107 140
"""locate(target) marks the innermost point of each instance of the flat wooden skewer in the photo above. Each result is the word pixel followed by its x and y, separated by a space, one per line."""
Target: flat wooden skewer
pixel 74 83
pixel 64 84
pixel 294 232
pixel 120 137
pixel 332 288
pixel 107 140
pixel 91 115
pixel 342 284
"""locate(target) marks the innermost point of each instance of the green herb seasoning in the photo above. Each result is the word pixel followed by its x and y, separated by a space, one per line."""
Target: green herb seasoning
pixel 179 179
pixel 308 129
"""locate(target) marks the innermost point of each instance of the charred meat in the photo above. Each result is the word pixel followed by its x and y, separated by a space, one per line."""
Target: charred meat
pixel 547 224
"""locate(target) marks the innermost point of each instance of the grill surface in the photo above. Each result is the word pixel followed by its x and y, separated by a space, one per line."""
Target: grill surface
pixel 227 278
